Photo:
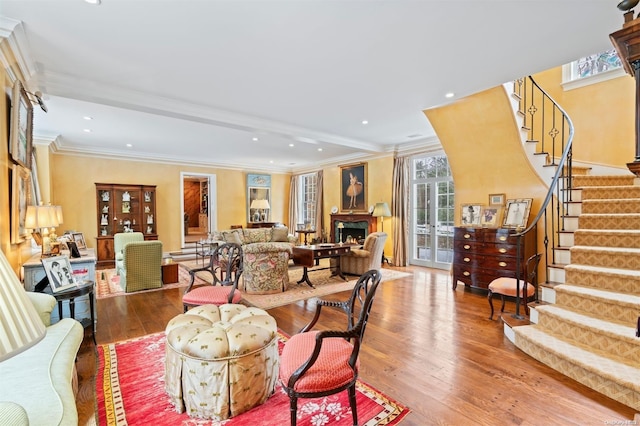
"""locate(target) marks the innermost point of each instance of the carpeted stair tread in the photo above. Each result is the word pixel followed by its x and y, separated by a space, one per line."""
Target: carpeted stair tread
pixel 624 299
pixel 610 192
pixel 607 237
pixel 611 279
pixel 605 337
pixel 625 273
pixel 622 257
pixel 582 180
pixel 609 221
pixel 617 380
pixel 610 206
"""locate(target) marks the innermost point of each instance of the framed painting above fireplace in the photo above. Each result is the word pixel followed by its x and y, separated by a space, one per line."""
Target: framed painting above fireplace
pixel 353 188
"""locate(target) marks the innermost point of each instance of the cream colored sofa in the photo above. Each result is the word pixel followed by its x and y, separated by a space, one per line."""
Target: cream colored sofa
pixel 38 386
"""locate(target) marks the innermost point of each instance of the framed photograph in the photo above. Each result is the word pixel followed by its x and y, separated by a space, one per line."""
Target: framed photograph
pixel 59 273
pixel 471 214
pixel 20 199
pixel 78 238
pixel 517 213
pixel 20 145
pixel 496 199
pixel 353 188
pixel 491 216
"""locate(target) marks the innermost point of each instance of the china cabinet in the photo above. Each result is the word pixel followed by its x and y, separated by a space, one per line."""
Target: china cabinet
pixel 123 208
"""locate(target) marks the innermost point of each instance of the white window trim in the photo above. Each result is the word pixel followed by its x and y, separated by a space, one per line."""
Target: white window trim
pixel 569 84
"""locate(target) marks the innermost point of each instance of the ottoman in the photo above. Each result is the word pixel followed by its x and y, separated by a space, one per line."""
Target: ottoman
pixel 220 361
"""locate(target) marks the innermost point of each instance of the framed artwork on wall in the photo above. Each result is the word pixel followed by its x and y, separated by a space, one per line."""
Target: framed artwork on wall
pixel 20 199
pixel 471 214
pixel 517 213
pixel 20 145
pixel 353 188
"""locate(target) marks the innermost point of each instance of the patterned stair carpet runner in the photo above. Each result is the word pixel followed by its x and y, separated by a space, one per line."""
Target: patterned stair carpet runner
pixel 589 333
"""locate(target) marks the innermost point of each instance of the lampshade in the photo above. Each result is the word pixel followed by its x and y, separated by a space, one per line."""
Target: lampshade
pixel 41 217
pixel 381 210
pixel 340 225
pixel 260 204
pixel 20 324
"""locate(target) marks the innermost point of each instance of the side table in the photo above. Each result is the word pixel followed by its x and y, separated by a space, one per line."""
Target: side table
pixel 169 273
pixel 70 294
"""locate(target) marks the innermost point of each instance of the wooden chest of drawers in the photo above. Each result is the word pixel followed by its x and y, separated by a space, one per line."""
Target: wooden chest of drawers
pixel 482 254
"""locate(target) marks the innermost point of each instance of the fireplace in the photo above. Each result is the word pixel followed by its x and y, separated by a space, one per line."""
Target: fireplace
pixel 356 225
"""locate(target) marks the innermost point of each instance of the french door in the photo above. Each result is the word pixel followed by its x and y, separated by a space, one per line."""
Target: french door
pixel 432 211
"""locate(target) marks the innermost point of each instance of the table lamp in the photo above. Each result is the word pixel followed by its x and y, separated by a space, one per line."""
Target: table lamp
pixel 40 219
pixel 261 205
pixel 381 210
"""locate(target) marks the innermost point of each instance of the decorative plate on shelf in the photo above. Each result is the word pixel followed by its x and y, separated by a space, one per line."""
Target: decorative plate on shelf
pixel 371 209
pixel 334 210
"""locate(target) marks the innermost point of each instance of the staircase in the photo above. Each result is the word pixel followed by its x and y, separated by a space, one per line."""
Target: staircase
pixel 586 325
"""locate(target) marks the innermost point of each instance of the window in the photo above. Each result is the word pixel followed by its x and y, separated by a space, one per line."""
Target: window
pixel 592 69
pixel 308 190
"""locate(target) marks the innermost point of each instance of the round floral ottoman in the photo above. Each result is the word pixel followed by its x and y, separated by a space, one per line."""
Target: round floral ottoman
pixel 220 361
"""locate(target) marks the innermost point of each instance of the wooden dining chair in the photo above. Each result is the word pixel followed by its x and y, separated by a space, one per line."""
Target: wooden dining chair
pixel 507 286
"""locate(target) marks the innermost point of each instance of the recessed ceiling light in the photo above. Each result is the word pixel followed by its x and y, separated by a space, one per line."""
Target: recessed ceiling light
pixel 129 145
pixel 255 139
pixel 96 2
pixel 271 161
pixel 87 130
pixel 319 149
pixel 86 117
pixel 365 122
pixel 449 95
pixel 291 145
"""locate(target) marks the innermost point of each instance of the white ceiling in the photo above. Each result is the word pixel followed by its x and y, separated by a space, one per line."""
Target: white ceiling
pixel 194 81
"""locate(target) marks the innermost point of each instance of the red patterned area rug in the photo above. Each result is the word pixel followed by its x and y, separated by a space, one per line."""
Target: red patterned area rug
pixel 108 283
pixel 130 391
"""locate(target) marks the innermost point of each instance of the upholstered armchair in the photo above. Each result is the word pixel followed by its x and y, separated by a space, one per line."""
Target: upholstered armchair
pixel 119 240
pixel 141 266
pixel 359 261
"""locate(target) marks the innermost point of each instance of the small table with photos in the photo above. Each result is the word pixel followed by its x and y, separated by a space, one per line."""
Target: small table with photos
pixel 70 294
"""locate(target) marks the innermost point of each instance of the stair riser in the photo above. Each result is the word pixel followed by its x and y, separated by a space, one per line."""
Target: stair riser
pixel 574 209
pixel 567 239
pixel 562 256
pixel 570 223
pixel 610 206
pixel 582 181
pixel 609 222
pixel 547 295
pixel 615 192
pixel 603 239
pixel 606 258
pixel 569 368
pixel 603 280
pixel 557 275
pixel 625 350
pixel 598 308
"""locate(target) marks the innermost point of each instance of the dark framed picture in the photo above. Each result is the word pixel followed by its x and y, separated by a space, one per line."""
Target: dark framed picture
pixel 517 213
pixel 78 238
pixel 471 214
pixel 20 199
pixel 20 145
pixel 59 273
pixel 353 187
pixel 73 249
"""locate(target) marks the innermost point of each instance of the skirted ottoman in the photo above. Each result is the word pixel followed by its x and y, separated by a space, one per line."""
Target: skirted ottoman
pixel 220 361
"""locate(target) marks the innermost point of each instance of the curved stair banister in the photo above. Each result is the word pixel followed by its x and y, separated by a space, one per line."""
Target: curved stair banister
pixel 555 205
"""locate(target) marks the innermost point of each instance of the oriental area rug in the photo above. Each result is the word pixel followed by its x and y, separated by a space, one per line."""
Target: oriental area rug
pixel 130 391
pixel 108 285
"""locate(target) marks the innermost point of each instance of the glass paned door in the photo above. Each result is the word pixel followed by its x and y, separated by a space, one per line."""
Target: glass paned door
pixel 432 202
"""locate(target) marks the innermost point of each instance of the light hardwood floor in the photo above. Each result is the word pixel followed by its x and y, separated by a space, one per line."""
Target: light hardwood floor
pixel 427 346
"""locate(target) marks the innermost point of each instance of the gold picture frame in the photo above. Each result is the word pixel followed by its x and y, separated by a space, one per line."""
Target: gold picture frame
pixel 496 199
pixel 471 214
pixel 353 188
pixel 20 145
pixel 20 199
pixel 517 213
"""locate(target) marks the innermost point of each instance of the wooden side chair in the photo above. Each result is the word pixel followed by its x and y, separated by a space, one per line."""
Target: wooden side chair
pixel 320 363
pixel 225 266
pixel 505 286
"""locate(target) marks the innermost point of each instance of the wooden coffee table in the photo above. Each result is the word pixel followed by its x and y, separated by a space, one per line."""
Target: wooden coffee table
pixel 308 257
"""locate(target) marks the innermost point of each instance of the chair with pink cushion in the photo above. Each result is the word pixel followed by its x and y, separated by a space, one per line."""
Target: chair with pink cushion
pixel 320 363
pixel 505 286
pixel 225 266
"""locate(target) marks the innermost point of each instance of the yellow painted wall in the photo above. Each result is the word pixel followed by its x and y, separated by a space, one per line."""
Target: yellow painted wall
pixel 481 140
pixel 74 181
pixel 603 115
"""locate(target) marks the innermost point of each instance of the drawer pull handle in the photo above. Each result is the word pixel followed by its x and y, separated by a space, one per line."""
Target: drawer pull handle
pixel 503 264
pixel 503 250
pixel 503 238
pixel 467 246
pixel 466 273
pixel 467 236
pixel 466 259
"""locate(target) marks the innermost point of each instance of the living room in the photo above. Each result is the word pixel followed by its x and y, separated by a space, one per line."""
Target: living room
pixel 69 180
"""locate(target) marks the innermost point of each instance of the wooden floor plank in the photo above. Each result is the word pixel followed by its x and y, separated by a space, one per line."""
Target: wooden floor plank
pixel 427 346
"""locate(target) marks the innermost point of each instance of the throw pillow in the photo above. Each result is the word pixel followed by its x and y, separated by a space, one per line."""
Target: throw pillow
pixel 232 237
pixel 280 234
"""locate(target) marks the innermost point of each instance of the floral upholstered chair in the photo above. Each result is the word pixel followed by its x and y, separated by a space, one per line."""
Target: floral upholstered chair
pixel 320 363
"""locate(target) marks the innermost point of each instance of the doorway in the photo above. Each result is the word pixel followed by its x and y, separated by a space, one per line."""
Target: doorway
pixel 198 206
pixel 432 212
